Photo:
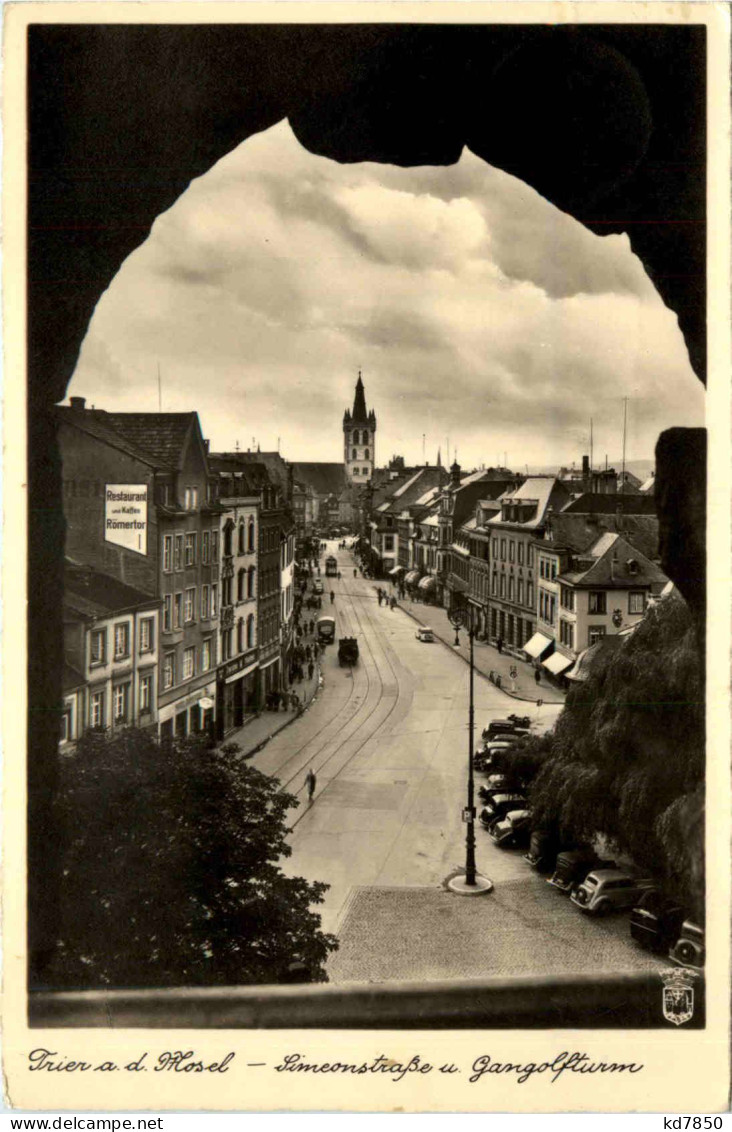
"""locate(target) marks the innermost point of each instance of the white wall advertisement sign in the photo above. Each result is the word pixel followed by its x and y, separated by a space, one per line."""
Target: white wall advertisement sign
pixel 125 515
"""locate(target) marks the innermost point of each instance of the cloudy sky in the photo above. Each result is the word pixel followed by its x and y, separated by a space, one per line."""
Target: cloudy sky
pixel 476 311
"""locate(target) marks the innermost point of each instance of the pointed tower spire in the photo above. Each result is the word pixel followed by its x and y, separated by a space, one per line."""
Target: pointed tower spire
pixel 439 457
pixel 359 403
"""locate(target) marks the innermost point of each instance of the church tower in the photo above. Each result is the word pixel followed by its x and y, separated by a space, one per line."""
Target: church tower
pixel 359 439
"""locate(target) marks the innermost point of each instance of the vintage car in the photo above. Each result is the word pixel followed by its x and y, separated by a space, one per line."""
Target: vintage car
pixel 542 854
pixel 609 890
pixel 499 805
pixel 655 922
pixel 326 629
pixel 347 651
pixel 513 829
pixel 424 633
pixel 689 950
pixel 573 865
pixel 318 587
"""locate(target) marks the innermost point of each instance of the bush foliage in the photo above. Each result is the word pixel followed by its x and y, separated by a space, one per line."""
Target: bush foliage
pixel 627 753
pixel 170 871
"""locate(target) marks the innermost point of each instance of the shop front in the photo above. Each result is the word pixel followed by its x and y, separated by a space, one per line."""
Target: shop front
pixel 236 692
pixel 191 715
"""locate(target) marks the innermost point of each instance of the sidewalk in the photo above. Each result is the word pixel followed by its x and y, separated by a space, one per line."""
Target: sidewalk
pixel 258 731
pixel 486 657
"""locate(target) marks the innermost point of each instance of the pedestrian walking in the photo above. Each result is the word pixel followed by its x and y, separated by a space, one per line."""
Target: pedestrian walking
pixel 294 701
pixel 537 676
pixel 379 596
pixel 311 669
pixel 311 782
pixel 392 603
pixel 355 572
pixel 332 597
pixel 499 645
pixel 339 575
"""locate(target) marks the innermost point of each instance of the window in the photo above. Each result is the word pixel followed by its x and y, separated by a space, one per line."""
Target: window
pixel 520 589
pixel 214 600
pixel 366 456
pixel 388 542
pixel 242 538
pixel 96 709
pixel 226 641
pixel 228 539
pixel 250 582
pixel 354 454
pixel 566 597
pixel 636 602
pixel 167 553
pixel 120 703
pixel 594 633
pixel 511 586
pixel 191 498
pixel 495 548
pixel 205 602
pixel 98 646
pixel 503 585
pixel 240 583
pixel 145 694
pixel 250 631
pixel 503 550
pixel 530 556
pixel 511 551
pixel 121 640
pixel 205 548
pixel 189 663
pixel 169 670
pixel 365 437
pixel 553 569
pixel 240 635
pixel 191 548
pixel 597 602
pixel 566 633
pixel 530 594
pixel 251 535
pixel 167 613
pixel 214 547
pixel 206 655
pixel 147 635
pixel 190 609
pixel 177 611
pixel 65 732
pixel 520 554
pixel 178 556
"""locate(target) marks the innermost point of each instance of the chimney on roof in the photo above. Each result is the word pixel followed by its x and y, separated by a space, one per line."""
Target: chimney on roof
pixel 77 403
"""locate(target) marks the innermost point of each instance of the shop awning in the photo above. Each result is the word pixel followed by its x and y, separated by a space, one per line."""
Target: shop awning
pixel 397 570
pixel 458 585
pixel 537 645
pixel 412 578
pixel 428 583
pixel 557 663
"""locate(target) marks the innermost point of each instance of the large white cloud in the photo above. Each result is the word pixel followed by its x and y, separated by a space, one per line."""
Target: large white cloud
pixel 475 308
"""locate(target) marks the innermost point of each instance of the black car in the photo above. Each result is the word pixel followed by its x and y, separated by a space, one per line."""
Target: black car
pixel 689 949
pixel 499 805
pixel 655 922
pixel 512 830
pixel 543 848
pixel 573 865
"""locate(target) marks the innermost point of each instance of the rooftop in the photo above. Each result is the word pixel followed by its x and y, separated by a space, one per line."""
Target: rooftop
pixel 91 594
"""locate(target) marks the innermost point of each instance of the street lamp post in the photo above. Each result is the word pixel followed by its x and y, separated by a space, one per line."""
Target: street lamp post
pixel 471 883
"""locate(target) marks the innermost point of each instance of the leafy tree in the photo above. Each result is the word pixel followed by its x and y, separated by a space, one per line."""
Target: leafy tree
pixel 627 755
pixel 170 871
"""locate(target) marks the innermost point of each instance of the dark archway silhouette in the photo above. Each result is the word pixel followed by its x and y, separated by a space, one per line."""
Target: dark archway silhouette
pixel 607 122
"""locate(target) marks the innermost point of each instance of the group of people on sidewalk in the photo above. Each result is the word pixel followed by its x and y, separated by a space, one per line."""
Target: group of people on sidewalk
pixel 383 596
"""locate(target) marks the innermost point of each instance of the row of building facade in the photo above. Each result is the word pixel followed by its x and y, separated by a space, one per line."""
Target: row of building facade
pixel 550 565
pixel 179 588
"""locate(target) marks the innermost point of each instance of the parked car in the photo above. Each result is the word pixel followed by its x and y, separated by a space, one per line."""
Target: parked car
pixel 609 890
pixel 493 759
pixel 318 587
pixel 513 829
pixel 424 633
pixel 689 949
pixel 495 784
pixel 655 922
pixel 499 805
pixel 573 865
pixel 504 726
pixel 543 847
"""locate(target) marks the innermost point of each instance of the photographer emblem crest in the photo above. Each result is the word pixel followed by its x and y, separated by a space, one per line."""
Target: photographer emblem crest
pixel 678 995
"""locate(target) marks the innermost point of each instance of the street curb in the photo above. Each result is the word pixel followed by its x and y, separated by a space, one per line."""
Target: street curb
pixel 263 743
pixel 502 688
